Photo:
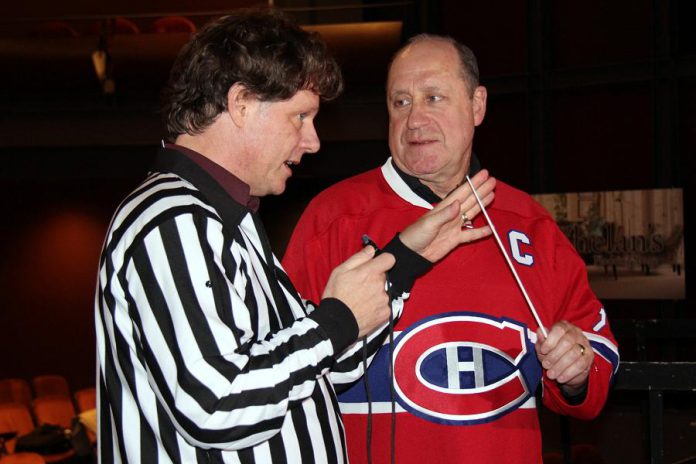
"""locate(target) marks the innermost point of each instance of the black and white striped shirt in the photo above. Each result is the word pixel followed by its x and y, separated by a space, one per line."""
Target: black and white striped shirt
pixel 206 352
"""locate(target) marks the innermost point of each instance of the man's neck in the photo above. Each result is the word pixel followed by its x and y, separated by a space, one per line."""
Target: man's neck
pixel 426 191
pixel 235 187
pixel 205 146
pixel 442 189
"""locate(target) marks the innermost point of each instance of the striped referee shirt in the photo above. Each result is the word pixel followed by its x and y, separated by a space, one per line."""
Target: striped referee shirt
pixel 206 351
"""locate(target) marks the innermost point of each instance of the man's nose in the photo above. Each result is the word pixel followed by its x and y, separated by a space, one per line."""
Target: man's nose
pixel 417 116
pixel 310 139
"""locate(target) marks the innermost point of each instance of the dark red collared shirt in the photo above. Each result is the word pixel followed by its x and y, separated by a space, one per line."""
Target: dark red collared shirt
pixel 233 185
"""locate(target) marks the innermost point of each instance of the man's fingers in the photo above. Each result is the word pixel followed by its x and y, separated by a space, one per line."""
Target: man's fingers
pixel 480 178
pixel 565 354
pixel 561 359
pixel 361 257
pixel 442 216
pixel 471 235
pixel 460 235
pixel 471 207
pixel 463 192
pixel 573 366
pixel 468 206
pixel 381 263
pixel 473 210
pixel 558 330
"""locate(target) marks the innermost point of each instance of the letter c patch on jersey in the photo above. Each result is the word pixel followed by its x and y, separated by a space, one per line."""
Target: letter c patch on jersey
pixel 464 368
pixel 516 238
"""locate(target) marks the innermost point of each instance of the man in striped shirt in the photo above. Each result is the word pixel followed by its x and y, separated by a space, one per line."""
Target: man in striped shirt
pixel 206 351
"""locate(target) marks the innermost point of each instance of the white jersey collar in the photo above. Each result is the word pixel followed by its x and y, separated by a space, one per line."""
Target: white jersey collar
pixel 399 187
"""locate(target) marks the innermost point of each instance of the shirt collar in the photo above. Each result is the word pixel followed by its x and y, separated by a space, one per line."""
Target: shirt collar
pixel 235 187
pixel 423 190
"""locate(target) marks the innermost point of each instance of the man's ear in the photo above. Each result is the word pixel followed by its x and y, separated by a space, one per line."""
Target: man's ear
pixel 479 104
pixel 238 100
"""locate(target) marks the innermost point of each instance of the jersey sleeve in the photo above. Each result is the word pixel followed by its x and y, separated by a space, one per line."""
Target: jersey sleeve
pixel 575 302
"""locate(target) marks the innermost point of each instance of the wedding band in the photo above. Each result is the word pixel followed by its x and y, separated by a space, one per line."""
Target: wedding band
pixel 582 349
pixel 467 222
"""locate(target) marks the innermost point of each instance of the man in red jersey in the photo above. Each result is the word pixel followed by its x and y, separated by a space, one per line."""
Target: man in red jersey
pixel 468 355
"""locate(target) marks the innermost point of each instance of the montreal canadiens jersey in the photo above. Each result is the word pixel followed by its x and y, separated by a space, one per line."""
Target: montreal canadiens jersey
pixel 465 368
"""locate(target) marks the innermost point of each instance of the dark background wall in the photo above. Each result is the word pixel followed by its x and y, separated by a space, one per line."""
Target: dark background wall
pixel 583 96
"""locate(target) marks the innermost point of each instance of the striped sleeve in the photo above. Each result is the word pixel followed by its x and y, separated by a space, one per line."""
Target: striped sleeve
pixel 310 258
pixel 575 302
pixel 189 287
pixel 352 362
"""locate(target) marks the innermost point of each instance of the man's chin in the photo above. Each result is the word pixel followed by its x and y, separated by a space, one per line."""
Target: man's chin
pixel 423 169
pixel 420 161
pixel 278 189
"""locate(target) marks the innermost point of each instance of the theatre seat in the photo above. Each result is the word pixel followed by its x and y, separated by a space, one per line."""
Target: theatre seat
pixel 50 385
pixel 86 399
pixel 15 391
pixel 54 410
pixel 15 417
pixel 22 458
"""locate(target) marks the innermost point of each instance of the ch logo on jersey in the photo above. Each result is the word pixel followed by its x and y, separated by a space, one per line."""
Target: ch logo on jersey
pixel 464 368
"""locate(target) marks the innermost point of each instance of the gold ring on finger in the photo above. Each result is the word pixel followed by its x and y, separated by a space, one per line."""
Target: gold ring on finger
pixel 466 221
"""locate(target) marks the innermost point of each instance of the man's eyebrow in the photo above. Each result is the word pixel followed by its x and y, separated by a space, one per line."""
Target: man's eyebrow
pixel 426 89
pixel 431 88
pixel 398 92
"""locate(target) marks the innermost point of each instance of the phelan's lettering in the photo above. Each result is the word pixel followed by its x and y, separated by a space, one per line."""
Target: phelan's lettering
pixel 611 242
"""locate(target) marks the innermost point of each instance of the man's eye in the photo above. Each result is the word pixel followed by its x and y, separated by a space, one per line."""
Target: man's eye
pixel 434 98
pixel 401 102
pixel 302 116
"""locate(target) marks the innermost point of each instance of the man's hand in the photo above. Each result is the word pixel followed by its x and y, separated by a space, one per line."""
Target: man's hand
pixel 566 355
pixel 440 230
pixel 359 283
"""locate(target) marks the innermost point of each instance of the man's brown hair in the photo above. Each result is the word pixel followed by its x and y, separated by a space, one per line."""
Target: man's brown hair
pixel 261 49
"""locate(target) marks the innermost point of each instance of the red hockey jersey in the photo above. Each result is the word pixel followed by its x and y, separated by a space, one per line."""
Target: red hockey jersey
pixel 465 369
